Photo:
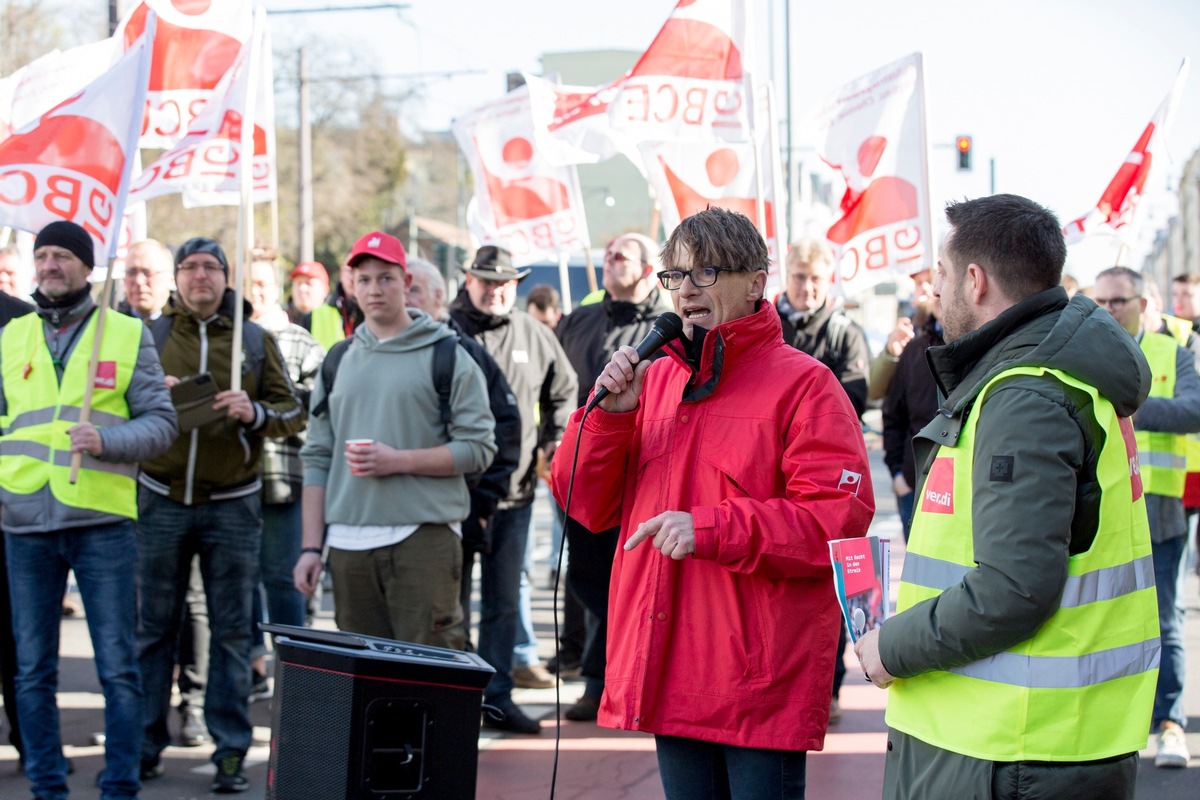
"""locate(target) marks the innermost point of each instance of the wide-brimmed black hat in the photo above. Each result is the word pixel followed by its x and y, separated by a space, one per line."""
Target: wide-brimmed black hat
pixel 494 263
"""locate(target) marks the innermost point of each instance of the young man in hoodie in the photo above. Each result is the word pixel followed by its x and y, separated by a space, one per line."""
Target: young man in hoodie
pixel 203 496
pixel 1023 657
pixel 383 471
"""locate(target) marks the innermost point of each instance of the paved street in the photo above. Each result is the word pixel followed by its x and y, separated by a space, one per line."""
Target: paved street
pixel 593 763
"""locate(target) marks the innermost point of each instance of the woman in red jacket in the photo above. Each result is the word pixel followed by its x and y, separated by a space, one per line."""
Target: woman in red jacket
pixel 729 465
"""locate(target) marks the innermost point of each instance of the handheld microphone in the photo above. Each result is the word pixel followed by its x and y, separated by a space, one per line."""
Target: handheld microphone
pixel 667 328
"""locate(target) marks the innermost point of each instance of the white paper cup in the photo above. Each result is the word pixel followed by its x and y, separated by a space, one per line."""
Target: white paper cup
pixel 353 443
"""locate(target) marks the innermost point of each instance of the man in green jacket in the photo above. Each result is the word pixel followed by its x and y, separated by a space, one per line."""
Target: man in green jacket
pixel 202 497
pixel 1024 655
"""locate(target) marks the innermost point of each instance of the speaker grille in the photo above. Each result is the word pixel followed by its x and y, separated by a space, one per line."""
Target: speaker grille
pixel 312 744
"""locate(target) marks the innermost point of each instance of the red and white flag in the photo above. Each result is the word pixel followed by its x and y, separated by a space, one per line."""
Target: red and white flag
pixel 873 132
pixel 196 44
pixel 45 82
pixel 1115 211
pixel 524 203
pixel 74 161
pixel 691 84
pixel 688 177
pixel 206 164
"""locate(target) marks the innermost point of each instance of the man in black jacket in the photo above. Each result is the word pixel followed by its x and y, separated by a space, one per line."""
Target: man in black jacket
pixel 428 293
pixel 10 309
pixel 590 335
pixel 815 324
pixel 541 378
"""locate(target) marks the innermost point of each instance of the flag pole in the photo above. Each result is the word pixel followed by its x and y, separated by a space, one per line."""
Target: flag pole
pixel 781 222
pixel 246 216
pixel 591 269
pixel 131 140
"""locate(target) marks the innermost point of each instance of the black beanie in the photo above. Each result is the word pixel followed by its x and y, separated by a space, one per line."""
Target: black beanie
pixel 70 236
pixel 201 244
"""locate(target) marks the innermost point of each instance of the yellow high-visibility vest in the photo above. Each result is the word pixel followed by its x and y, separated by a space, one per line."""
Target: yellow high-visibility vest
pixel 327 325
pixel 1163 456
pixel 35 449
pixel 1082 687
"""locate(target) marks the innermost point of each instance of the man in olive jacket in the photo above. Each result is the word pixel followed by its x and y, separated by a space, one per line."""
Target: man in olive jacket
pixel 202 497
pixel 1023 658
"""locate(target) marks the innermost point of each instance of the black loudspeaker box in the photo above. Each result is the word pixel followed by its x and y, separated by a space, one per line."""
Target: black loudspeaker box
pixel 361 718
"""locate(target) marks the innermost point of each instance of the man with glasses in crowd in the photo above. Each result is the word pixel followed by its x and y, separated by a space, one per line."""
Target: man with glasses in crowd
pixel 147 280
pixel 1172 410
pixel 728 618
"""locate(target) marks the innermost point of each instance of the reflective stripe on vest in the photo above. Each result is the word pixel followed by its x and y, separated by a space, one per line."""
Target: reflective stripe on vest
pixel 1090 669
pixel 1163 455
pixel 327 325
pixel 35 447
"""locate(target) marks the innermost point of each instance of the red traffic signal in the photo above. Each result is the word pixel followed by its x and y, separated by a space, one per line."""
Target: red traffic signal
pixel 963 143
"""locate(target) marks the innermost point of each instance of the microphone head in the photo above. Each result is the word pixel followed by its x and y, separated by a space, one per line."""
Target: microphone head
pixel 669 325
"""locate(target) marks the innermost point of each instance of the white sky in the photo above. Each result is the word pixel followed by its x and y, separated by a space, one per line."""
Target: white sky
pixel 1055 91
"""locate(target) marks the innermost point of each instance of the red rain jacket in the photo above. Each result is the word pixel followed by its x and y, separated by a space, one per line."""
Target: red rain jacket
pixel 735 645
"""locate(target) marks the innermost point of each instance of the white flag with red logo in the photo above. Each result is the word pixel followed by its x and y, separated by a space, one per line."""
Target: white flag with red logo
pixel 688 177
pixel 691 84
pixel 196 44
pixel 45 82
pixel 525 204
pixel 206 164
pixel 1115 211
pixel 873 132
pixel 74 161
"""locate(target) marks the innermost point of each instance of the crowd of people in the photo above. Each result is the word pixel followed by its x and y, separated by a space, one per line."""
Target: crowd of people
pixel 393 435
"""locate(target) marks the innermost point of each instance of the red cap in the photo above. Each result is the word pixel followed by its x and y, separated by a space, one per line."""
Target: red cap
pixel 380 245
pixel 310 269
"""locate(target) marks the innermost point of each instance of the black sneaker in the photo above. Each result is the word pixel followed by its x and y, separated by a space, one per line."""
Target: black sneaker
pixel 260 686
pixel 508 717
pixel 229 778
pixel 152 768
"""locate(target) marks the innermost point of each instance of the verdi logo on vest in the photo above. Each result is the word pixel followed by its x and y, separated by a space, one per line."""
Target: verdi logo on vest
pixel 939 488
pixel 106 375
pixel 1131 452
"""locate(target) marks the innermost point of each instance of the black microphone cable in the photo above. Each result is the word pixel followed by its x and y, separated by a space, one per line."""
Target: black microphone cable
pixel 559 571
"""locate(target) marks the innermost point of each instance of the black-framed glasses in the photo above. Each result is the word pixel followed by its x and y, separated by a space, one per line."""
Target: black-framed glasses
pixel 672 279
pixel 1116 302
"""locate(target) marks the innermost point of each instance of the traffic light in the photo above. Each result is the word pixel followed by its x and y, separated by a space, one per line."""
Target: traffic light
pixel 963 143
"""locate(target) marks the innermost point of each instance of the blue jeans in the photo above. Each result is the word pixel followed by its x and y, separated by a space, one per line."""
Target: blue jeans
pixel 279 554
pixel 226 534
pixel 105 562
pixel 499 597
pixel 904 507
pixel 1169 570
pixel 694 770
pixel 525 649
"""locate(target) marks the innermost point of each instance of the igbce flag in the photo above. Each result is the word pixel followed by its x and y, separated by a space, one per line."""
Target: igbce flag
pixel 74 161
pixel 873 132
pixel 45 82
pixel 691 84
pixel 1117 205
pixel 196 44
pixel 688 177
pixel 524 203
pixel 206 164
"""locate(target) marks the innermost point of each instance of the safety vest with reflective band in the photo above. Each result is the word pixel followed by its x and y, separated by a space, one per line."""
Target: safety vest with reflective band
pixel 1179 327
pixel 1082 687
pixel 1163 455
pixel 327 325
pixel 35 448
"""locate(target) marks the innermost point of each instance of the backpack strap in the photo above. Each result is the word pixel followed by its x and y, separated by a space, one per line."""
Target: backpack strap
pixel 253 343
pixel 444 355
pixel 329 368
